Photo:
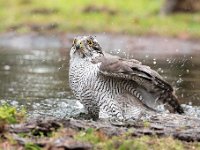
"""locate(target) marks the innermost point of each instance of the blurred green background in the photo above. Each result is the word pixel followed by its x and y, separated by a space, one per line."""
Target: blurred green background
pixel 114 16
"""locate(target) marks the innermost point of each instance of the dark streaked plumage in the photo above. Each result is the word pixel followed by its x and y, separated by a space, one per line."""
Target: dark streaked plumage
pixel 116 87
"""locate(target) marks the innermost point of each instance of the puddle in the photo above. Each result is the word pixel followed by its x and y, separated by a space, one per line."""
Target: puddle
pixel 36 76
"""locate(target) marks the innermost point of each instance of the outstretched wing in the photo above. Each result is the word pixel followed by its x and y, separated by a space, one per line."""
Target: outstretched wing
pixel 144 76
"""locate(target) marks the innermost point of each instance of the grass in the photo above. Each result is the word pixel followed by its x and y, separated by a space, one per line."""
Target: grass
pixel 128 142
pixel 127 17
pixel 30 146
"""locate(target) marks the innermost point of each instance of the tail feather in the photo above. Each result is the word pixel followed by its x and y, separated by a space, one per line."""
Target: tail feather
pixel 159 97
pixel 173 102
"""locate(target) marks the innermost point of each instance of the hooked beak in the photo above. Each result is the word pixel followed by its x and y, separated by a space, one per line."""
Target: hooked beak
pixel 78 45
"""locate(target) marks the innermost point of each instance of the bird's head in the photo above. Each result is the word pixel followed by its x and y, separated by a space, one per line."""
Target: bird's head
pixel 85 46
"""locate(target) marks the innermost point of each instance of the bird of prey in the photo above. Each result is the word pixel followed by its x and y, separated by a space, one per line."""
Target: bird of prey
pixel 120 88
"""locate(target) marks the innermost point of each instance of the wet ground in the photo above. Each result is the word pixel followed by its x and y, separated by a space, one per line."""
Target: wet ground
pixel 34 68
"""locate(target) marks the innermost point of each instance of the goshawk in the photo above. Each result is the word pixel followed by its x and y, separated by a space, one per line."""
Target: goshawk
pixel 120 88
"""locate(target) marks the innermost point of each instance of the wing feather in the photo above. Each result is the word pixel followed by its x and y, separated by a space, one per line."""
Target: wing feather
pixel 133 70
pixel 143 75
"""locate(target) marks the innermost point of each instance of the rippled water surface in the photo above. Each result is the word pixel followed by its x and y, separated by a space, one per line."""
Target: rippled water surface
pixel 38 78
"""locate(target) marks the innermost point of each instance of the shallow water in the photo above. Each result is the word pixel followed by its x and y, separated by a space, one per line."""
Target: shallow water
pixel 37 79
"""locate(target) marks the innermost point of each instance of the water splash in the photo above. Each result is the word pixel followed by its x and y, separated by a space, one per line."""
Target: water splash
pixel 154 61
pixel 118 51
pixel 179 81
pixel 6 67
pixel 160 70
pixel 193 111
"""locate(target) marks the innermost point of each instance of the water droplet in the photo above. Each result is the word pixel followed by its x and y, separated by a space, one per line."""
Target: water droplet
pixel 118 51
pixel 160 70
pixel 10 89
pixel 183 65
pixel 6 67
pixel 147 56
pixel 14 103
pixel 168 60
pixel 154 62
pixel 187 70
pixel 180 80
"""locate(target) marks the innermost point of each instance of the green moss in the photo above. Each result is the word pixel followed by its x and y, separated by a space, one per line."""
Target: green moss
pixel 131 144
pixel 146 124
pixel 30 146
pixel 10 115
pixel 127 142
pixel 89 135
pixel 130 17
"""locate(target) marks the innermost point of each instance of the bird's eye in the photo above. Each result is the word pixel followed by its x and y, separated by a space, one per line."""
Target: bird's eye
pixel 90 42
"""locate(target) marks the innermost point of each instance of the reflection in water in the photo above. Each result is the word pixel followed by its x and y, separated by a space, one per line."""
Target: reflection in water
pixel 38 79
